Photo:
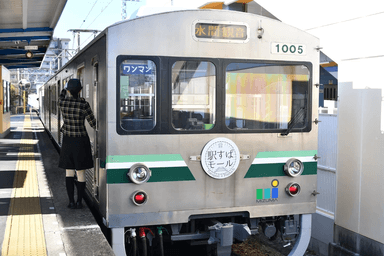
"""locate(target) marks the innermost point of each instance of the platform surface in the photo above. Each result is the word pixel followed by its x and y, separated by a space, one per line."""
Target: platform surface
pixel 34 218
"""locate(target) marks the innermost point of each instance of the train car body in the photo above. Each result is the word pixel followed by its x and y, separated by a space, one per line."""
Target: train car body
pixel 202 116
pixel 5 102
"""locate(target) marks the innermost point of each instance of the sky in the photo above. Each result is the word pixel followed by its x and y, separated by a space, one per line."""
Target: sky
pixel 98 14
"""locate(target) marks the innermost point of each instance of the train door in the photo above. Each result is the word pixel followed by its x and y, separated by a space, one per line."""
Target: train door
pixel 58 114
pixel 80 76
pixel 45 105
pixel 95 100
pixel 41 105
pixel 63 84
pixel 49 108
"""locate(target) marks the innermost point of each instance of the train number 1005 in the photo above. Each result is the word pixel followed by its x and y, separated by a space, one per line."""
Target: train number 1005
pixel 283 48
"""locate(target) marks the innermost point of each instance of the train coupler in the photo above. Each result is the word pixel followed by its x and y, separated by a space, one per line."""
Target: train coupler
pixel 223 235
pixel 290 228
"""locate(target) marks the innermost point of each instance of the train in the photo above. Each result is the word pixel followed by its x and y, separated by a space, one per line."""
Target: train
pixel 207 129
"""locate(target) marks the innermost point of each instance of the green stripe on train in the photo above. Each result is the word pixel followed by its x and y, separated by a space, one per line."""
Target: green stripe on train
pixel 144 158
pixel 300 153
pixel 273 170
pixel 158 175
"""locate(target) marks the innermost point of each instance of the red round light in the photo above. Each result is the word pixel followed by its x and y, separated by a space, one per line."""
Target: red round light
pixel 294 189
pixel 140 198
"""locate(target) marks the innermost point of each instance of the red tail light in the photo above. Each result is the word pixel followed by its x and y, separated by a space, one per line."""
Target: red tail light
pixel 139 198
pixel 293 189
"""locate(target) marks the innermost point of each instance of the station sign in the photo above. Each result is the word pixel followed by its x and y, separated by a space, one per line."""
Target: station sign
pixel 31 47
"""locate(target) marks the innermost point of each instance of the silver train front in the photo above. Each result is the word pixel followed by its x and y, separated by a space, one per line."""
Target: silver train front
pixel 183 184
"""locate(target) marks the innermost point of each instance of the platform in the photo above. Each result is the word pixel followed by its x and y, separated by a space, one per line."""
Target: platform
pixel 34 218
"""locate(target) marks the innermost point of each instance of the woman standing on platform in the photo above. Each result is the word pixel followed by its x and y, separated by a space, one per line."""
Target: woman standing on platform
pixel 76 149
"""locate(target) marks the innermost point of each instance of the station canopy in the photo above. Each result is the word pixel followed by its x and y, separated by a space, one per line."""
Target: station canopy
pixel 26 29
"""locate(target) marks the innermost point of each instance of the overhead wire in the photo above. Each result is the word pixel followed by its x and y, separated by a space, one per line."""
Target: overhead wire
pixel 89 13
pixel 103 9
pixel 100 13
pixel 343 21
pixel 85 41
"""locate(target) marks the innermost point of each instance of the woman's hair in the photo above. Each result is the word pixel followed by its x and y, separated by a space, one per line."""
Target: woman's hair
pixel 75 94
pixel 74 87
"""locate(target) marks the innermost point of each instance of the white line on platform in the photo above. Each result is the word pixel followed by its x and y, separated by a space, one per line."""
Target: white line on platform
pixel 82 227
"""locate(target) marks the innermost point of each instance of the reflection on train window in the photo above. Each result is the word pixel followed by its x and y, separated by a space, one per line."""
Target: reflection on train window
pixel 137 95
pixel 193 95
pixel 266 96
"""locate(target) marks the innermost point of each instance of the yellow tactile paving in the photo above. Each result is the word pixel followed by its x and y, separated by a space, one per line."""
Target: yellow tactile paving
pixel 24 234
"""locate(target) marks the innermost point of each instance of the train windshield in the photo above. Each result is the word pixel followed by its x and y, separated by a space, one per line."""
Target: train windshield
pixel 193 95
pixel 266 96
pixel 137 95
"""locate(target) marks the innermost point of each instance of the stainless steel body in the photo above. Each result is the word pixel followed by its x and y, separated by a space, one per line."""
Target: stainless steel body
pixel 251 190
pixel 174 202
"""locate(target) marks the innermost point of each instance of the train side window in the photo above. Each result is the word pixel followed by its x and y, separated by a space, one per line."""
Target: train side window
pixel 193 95
pixel 4 97
pixel 53 98
pixel 266 96
pixel 80 76
pixel 9 96
pixel 137 95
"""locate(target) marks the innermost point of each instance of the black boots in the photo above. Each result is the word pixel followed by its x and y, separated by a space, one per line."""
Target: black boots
pixel 80 194
pixel 70 184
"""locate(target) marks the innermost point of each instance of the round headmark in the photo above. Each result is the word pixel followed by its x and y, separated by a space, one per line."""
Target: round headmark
pixel 220 158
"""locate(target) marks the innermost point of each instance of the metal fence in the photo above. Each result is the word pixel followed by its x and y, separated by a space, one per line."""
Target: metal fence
pixel 326 170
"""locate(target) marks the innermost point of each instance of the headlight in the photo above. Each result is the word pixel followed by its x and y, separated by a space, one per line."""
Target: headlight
pixel 294 167
pixel 139 173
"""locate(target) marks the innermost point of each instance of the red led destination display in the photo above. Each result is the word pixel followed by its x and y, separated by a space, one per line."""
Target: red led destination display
pixel 220 31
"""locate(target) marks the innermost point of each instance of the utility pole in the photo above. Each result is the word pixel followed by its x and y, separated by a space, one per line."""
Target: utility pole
pixel 124 7
pixel 78 31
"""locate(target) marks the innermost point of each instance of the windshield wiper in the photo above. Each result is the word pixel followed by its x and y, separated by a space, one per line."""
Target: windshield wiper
pixel 298 116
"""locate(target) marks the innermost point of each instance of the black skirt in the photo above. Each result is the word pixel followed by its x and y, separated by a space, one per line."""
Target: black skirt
pixel 76 153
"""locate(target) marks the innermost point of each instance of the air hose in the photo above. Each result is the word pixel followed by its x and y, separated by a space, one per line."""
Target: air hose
pixel 131 240
pixel 144 239
pixel 160 233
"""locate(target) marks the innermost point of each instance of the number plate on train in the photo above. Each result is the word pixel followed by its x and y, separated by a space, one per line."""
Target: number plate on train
pixel 286 48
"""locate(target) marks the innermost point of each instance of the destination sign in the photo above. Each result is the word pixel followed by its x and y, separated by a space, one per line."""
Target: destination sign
pixel 221 31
